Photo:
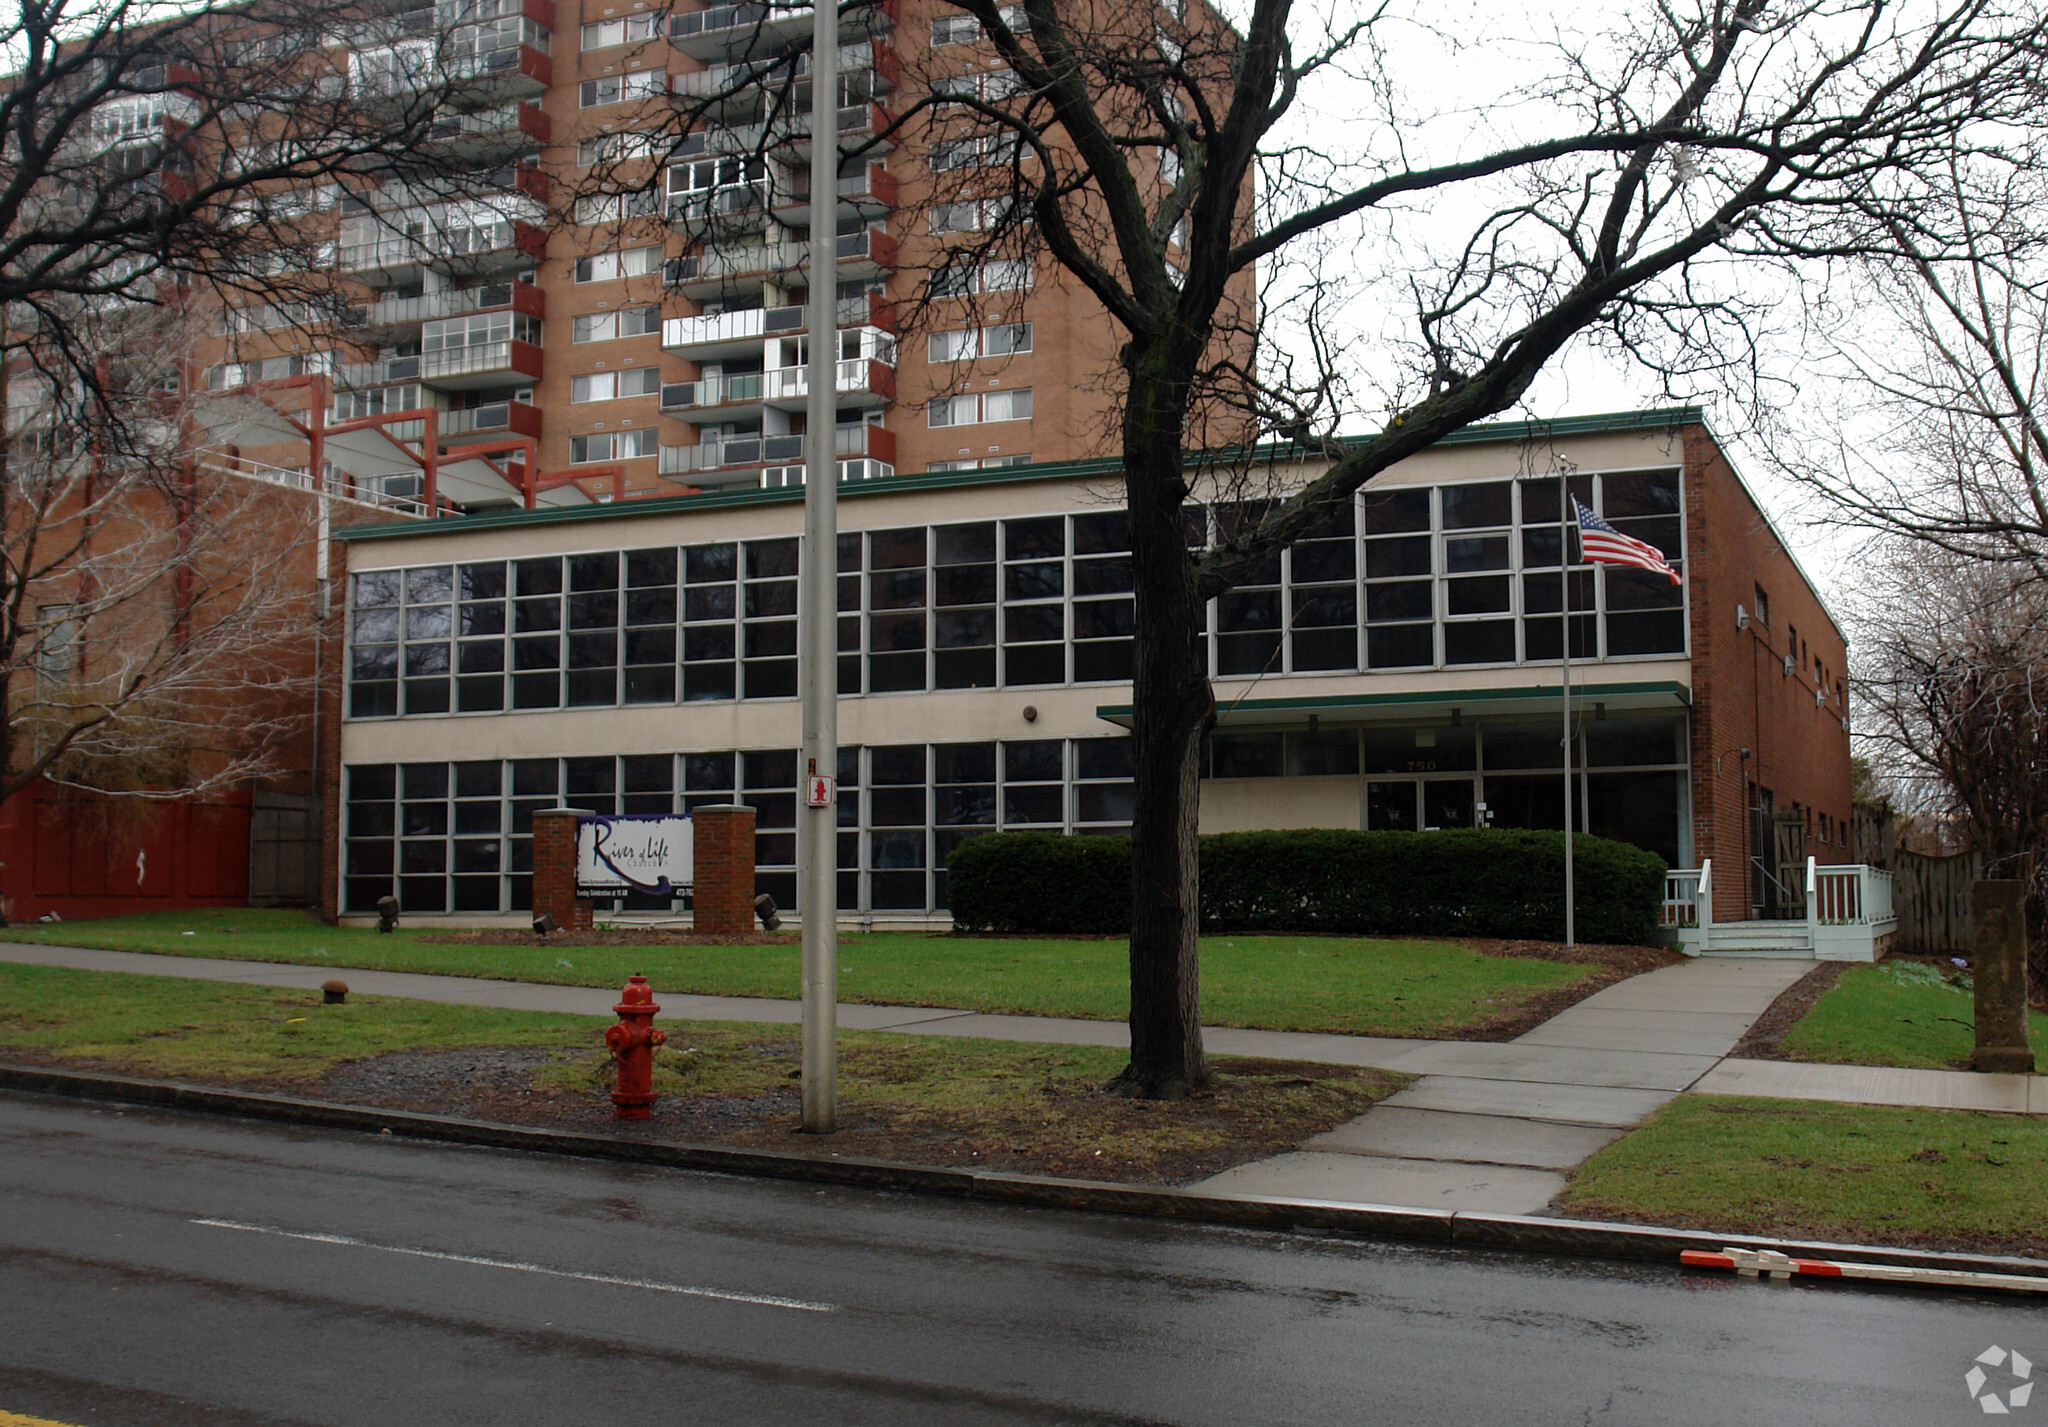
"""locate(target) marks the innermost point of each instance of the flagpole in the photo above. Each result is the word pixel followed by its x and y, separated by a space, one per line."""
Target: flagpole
pixel 1564 605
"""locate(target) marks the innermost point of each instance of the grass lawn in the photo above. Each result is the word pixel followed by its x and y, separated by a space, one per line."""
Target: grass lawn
pixel 924 1099
pixel 1811 1169
pixel 1895 1013
pixel 1356 986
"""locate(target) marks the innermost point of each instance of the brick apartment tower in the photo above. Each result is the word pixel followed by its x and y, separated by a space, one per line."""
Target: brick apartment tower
pixel 655 342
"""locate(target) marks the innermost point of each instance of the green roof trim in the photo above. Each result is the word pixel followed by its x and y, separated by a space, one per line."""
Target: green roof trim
pixel 1461 697
pixel 1653 419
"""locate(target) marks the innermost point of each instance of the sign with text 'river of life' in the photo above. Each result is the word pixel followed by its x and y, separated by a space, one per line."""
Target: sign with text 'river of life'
pixel 634 853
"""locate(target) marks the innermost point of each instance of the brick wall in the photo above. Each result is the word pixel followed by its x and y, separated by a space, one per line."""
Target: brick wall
pixel 1742 698
pixel 554 869
pixel 723 852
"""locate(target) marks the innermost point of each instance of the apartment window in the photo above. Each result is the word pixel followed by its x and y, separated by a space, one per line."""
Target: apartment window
pixel 603 34
pixel 610 326
pixel 1004 275
pixel 605 267
pixel 612 446
pixel 617 148
pixel 611 386
pixel 1003 340
pixel 977 408
pixel 950 154
pixel 57 643
pixel 955 30
pixel 616 207
pixel 481 330
pixel 986 85
pixel 618 88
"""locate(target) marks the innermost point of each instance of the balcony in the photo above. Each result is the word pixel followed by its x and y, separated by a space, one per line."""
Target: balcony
pixel 391 315
pixel 774 476
pixel 521 71
pixel 721 88
pixel 731 208
pixel 734 334
pixel 863 381
pixel 871 193
pixel 752 460
pixel 485 423
pixel 715 269
pixel 867 121
pixel 396 257
pixel 866 254
pixel 482 365
pixel 733 390
pixel 726 33
pixel 488 133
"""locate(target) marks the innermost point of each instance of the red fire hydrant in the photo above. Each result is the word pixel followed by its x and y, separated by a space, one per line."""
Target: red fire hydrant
pixel 632 1042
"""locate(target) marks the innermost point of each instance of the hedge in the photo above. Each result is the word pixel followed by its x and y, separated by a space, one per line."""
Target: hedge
pixel 1464 882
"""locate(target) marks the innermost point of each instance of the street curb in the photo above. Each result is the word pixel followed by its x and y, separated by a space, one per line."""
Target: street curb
pixel 1450 1228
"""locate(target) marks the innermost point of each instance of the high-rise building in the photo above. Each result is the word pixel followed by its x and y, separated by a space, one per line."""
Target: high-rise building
pixel 605 282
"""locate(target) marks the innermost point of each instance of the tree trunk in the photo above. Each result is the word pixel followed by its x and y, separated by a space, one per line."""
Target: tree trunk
pixel 1172 707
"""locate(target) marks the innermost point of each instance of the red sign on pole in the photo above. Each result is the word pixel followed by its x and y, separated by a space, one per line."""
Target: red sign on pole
pixel 817 792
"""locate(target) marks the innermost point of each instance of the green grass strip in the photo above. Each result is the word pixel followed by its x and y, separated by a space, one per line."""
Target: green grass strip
pixel 1356 986
pixel 1903 1013
pixel 1816 1169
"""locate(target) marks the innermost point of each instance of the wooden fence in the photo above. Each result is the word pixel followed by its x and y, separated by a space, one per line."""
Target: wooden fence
pixel 1934 902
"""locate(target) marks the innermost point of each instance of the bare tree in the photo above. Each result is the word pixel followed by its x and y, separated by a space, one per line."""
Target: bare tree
pixel 1954 690
pixel 170 180
pixel 1928 411
pixel 1163 161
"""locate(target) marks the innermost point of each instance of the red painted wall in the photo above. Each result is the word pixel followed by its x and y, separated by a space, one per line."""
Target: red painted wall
pixel 81 856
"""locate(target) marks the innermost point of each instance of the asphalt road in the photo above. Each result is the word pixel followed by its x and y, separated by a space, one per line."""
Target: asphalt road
pixel 158 1270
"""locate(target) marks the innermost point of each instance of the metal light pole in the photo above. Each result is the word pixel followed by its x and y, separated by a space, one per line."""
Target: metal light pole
pixel 1568 515
pixel 817 853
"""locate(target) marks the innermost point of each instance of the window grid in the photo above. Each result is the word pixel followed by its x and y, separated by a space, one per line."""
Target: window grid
pixel 1025 602
pixel 458 837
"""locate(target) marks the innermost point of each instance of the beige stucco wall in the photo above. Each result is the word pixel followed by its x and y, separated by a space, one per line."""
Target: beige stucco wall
pixel 1255 804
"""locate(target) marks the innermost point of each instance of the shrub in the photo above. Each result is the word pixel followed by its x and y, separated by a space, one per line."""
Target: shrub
pixel 1041 882
pixel 1477 882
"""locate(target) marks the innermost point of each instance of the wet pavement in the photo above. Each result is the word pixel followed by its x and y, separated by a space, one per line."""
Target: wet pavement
pixel 159 1270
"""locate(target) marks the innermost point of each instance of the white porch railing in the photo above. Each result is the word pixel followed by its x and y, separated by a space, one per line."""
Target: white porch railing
pixel 1847 894
pixel 1849 911
pixel 1688 911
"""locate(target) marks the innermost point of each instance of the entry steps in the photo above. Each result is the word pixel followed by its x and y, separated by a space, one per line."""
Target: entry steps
pixel 1767 938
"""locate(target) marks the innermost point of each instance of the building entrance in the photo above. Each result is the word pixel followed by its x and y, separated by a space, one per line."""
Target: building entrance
pixel 1408 804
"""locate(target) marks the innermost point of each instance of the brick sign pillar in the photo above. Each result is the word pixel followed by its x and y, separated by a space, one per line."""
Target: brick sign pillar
pixel 1998 967
pixel 723 849
pixel 554 869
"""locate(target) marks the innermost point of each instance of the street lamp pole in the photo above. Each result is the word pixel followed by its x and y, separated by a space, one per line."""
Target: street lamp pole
pixel 818 668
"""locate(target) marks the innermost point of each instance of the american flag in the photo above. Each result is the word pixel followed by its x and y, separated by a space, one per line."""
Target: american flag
pixel 1601 544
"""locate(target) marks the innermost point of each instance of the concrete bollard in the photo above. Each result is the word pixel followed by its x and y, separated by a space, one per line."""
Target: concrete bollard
pixel 1998 911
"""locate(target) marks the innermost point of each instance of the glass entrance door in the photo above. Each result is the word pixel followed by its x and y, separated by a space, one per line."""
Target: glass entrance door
pixel 1447 802
pixel 1406 804
pixel 1390 805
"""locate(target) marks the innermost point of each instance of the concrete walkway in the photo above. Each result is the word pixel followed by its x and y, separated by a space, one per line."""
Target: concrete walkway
pixel 1492 1128
pixel 1489 1126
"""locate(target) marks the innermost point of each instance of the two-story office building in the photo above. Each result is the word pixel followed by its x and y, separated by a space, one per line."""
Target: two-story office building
pixel 1401 673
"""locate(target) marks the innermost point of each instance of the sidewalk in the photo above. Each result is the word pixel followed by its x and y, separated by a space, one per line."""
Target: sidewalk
pixel 1489 1127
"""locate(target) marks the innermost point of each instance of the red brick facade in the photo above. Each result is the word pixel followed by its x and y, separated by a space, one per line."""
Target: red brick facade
pixel 554 869
pixel 1743 697
pixel 723 848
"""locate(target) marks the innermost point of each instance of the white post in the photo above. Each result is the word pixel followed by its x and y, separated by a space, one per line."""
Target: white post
pixel 1812 907
pixel 1569 515
pixel 818 669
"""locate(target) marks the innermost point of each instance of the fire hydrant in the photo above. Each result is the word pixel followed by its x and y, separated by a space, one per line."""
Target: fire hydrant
pixel 632 1043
